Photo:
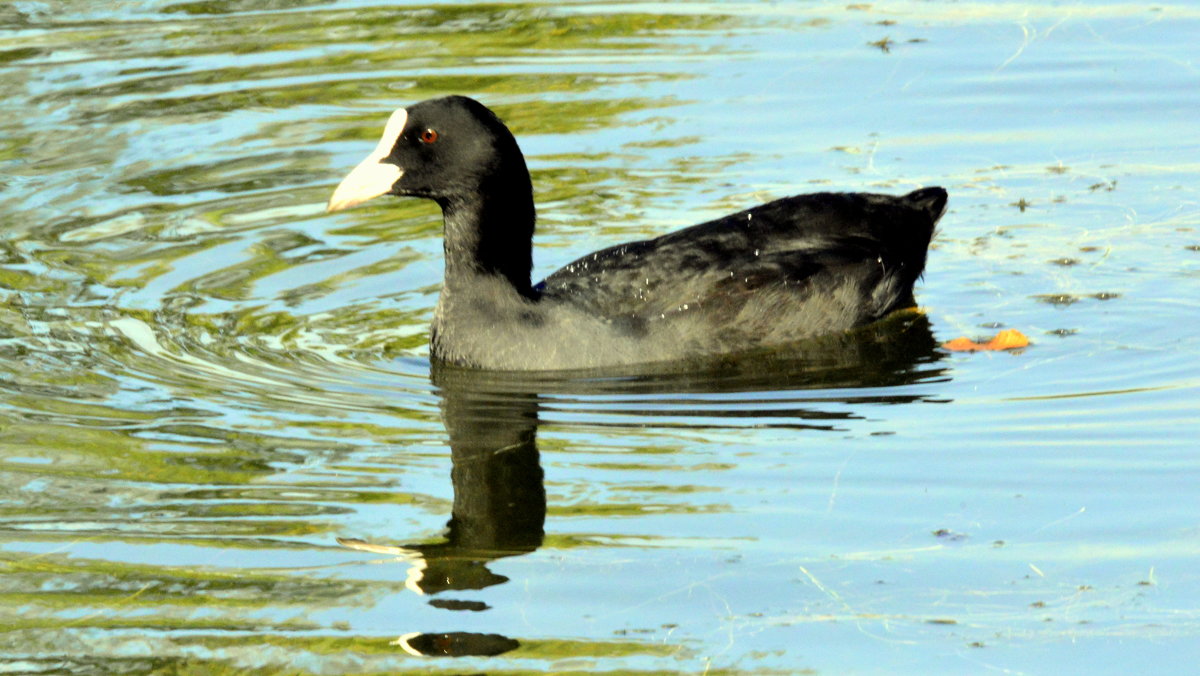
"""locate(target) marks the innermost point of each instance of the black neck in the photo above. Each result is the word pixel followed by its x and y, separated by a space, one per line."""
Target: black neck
pixel 491 232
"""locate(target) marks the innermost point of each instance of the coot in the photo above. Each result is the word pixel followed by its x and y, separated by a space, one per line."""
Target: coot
pixel 771 275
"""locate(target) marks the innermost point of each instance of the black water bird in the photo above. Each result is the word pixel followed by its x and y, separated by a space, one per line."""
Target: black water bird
pixel 772 275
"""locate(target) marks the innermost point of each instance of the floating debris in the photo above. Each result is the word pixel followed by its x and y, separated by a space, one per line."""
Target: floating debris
pixel 1008 339
pixel 948 534
pixel 1058 299
pixel 884 45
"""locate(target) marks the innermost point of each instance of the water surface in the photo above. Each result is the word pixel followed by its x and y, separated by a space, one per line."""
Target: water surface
pixel 224 449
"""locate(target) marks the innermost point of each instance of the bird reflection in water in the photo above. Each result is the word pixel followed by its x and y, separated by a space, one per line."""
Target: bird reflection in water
pixel 491 420
pixel 499 506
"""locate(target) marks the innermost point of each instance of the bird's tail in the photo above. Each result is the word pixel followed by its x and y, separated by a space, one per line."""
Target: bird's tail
pixel 930 200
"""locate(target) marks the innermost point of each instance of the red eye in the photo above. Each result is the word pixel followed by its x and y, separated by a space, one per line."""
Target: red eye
pixel 429 136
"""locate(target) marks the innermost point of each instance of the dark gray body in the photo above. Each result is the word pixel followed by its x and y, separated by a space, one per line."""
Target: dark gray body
pixel 776 274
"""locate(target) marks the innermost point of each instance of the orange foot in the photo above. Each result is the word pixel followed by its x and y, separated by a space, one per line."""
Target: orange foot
pixel 1008 339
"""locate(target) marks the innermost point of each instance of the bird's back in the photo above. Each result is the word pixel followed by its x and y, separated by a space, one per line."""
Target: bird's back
pixel 778 272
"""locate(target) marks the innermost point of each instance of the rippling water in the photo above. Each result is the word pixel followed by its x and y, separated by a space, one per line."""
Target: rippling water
pixel 224 448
